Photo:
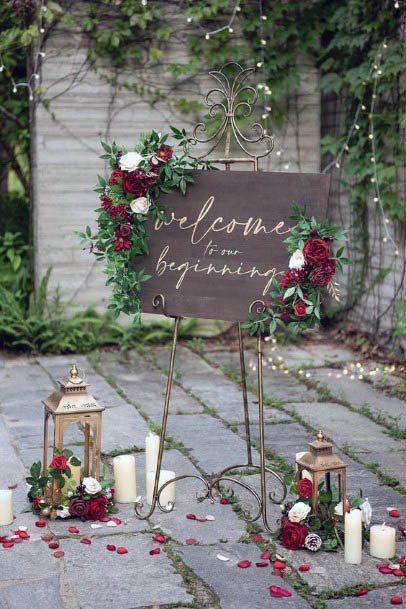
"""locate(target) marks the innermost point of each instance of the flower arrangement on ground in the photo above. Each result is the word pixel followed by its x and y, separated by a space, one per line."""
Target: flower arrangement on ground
pixel 296 294
pixel 128 197
pixel 301 527
pixel 91 499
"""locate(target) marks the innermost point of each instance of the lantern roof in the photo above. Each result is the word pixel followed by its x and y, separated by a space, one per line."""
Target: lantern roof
pixel 321 457
pixel 72 396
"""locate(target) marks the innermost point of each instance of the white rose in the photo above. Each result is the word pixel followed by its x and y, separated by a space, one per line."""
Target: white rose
pixel 63 513
pixel 140 205
pixel 297 260
pixel 130 161
pixel 92 486
pixel 366 512
pixel 299 512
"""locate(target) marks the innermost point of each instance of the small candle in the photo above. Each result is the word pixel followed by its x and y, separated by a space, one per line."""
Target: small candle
pixel 169 492
pixel 305 472
pixel 125 479
pixel 353 537
pixel 151 452
pixel 6 507
pixel 382 541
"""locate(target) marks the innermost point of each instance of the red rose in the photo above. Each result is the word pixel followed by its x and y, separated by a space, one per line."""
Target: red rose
pixel 316 251
pixel 97 508
pixel 78 508
pixel 305 488
pixel 59 462
pixel 122 244
pixel 35 503
pixel 136 182
pixel 284 279
pixel 293 535
pixel 300 309
pixel 115 175
pixel 118 210
pixel 123 230
pixel 106 203
pixel 164 153
pixel 322 275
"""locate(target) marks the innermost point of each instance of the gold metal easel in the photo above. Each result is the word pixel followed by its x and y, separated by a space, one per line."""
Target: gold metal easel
pixel 230 100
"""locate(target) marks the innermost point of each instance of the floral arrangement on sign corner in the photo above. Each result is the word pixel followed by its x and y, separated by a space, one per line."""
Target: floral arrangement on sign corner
pixel 91 499
pixel 296 295
pixel 301 527
pixel 128 197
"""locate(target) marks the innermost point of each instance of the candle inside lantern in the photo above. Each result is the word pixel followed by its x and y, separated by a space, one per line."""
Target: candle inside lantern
pixel 6 507
pixel 382 541
pixel 151 452
pixel 353 537
pixel 305 472
pixel 169 492
pixel 125 479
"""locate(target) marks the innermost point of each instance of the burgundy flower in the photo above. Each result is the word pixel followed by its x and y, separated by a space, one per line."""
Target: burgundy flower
pixel 123 230
pixel 284 279
pixel 322 275
pixel 300 308
pixel 106 203
pixel 122 244
pixel 118 210
pixel 78 508
pixel 316 251
pixel 115 175
pixel 305 488
pixel 280 298
pixel 164 153
pixel 297 275
pixel 293 535
pixel 285 316
pixel 136 182
pixel 35 502
pixel 97 508
pixel 59 462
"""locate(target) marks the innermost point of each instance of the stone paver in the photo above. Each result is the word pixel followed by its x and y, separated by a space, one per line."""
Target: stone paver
pixel 359 394
pixel 375 599
pixel 43 593
pixel 238 588
pixel 103 579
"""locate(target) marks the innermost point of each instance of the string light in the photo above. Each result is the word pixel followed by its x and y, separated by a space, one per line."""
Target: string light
pixel 227 26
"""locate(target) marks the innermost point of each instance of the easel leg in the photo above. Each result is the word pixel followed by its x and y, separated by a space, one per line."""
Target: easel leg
pixel 244 396
pixel 262 465
pixel 138 506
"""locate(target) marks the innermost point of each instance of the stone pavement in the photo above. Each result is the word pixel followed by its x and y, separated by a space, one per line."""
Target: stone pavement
pixel 316 384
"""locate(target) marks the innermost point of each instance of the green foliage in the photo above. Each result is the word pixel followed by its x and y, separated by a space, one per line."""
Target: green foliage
pixel 14 264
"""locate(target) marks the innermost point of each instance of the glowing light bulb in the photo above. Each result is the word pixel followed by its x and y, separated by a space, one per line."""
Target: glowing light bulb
pixel 268 108
pixel 264 116
pixel 346 147
pixel 338 165
pixel 278 152
pixel 286 166
pixel 1 68
pixel 44 8
pixel 372 159
pixel 260 64
pixel 385 46
pixel 189 19
pixel 36 76
pixel 387 220
pixel 263 42
pixel 372 180
pixel 260 86
pixel 371 137
pixel 207 36
pixel 41 54
pixel 396 5
pixel 376 199
pixel 144 2
pixel 357 127
pixel 238 8
pixel 385 239
pixel 31 97
pixel 264 17
pixel 396 252
pixel 14 89
pixel 230 29
pixel 363 107
pixel 42 30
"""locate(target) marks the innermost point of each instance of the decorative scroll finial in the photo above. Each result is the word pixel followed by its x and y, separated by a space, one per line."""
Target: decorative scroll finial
pixel 231 101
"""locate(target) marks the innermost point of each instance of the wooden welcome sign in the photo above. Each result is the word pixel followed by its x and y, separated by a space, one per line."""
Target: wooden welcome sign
pixel 222 243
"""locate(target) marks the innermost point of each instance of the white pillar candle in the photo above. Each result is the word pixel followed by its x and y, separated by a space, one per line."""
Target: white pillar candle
pixel 169 492
pixel 353 537
pixel 382 541
pixel 151 452
pixel 124 479
pixel 305 472
pixel 6 507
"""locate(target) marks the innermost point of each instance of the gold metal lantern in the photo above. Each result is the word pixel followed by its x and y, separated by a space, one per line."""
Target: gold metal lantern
pixel 321 461
pixel 69 404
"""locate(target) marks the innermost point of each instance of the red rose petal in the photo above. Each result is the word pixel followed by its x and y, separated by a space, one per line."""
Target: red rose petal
pixel 159 538
pixel 122 550
pixel 277 573
pixel 8 544
pixel 86 541
pixel 224 501
pixel 47 538
pixel 385 570
pixel 116 520
pixel 262 564
pixel 244 564
pixel 3 539
pixel 381 564
pixel 191 541
pixel 155 551
pixel 394 513
pixel 266 555
pixel 111 547
pixel 361 592
pixel 279 564
pixel 191 516
pixel 305 567
pixel 12 487
pixel 23 534
pixel 53 546
pixel 59 554
pixel 201 519
pixel 104 519
pixel 402 529
pixel 19 540
pixel 278 592
pixel 41 524
pixel 398 572
pixel 396 600
pixel 73 530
